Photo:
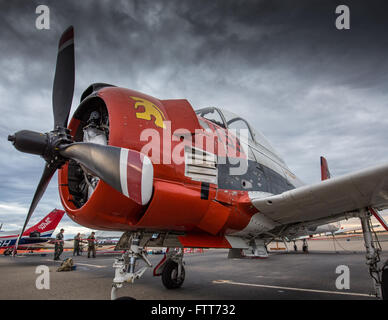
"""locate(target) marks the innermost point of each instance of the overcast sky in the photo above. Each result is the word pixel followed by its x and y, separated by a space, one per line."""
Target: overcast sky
pixel 310 88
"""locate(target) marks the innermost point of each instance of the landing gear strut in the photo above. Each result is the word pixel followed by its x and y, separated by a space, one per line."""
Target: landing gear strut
pixel 126 264
pixel 305 246
pixel 373 257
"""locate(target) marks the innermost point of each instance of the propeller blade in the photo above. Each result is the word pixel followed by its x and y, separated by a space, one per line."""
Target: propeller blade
pixel 37 143
pixel 48 172
pixel 63 87
pixel 127 171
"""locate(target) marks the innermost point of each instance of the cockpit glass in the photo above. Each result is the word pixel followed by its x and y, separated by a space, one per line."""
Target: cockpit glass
pixel 255 136
pixel 212 115
pixel 233 121
pixel 238 125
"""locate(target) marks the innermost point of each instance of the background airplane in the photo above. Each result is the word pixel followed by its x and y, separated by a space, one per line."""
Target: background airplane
pixel 106 182
pixel 34 237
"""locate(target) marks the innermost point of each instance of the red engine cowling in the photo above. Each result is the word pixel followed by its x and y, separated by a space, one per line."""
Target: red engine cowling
pixel 176 203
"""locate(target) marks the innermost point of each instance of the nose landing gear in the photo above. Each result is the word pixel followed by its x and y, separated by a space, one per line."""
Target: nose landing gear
pixel 126 264
pixel 171 267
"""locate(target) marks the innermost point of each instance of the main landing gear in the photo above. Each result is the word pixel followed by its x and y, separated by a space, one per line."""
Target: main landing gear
pixel 379 275
pixel 170 268
pixel 305 246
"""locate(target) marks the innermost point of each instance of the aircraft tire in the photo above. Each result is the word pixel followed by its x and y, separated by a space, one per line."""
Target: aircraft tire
pixel 125 298
pixel 169 275
pixel 384 281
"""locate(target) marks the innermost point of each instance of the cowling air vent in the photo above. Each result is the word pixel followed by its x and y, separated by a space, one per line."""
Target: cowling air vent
pixel 200 165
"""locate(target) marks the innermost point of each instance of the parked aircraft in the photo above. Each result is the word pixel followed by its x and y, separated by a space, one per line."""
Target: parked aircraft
pixel 169 176
pixel 33 237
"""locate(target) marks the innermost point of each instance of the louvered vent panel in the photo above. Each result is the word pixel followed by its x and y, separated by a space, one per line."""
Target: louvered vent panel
pixel 200 165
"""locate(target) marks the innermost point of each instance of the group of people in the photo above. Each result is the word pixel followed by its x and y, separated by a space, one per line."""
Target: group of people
pixel 77 245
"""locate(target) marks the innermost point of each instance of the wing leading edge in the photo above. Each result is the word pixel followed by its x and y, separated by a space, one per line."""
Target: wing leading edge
pixel 332 197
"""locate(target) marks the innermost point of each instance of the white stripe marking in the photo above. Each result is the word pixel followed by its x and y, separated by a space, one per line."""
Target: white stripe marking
pixel 123 171
pixel 290 288
pixel 90 265
pixel 81 264
pixel 147 177
pixel 66 44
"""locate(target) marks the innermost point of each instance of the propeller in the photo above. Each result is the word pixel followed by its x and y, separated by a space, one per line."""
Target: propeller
pixel 128 171
pixel 63 87
pixel 48 172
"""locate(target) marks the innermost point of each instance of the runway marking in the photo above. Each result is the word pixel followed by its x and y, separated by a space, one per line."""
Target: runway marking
pixel 82 264
pixel 290 288
pixel 90 265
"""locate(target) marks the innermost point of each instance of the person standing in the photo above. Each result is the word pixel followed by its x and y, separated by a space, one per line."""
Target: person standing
pixel 59 245
pixel 92 245
pixel 77 240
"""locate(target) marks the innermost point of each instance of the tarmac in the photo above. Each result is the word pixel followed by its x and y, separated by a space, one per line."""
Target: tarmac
pixel 209 276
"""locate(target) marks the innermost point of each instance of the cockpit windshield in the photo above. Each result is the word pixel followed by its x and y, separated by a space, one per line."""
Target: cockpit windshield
pixel 229 120
pixel 212 114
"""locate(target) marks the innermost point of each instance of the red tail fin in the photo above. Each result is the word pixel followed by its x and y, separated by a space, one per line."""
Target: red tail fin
pixel 47 224
pixel 325 173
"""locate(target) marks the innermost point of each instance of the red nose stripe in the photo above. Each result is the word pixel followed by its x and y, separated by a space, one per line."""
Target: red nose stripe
pixel 66 39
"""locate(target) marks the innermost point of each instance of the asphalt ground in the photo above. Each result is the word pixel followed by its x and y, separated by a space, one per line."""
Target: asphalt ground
pixel 209 276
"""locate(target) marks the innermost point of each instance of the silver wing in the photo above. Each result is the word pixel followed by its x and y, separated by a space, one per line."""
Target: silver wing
pixel 328 200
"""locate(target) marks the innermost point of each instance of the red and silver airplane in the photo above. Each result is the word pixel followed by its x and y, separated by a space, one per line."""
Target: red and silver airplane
pixel 167 175
pixel 33 237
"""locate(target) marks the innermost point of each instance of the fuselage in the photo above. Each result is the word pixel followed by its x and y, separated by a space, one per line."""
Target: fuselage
pixel 8 239
pixel 205 171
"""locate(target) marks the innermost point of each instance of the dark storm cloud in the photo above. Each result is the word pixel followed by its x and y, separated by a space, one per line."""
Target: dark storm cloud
pixel 283 65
